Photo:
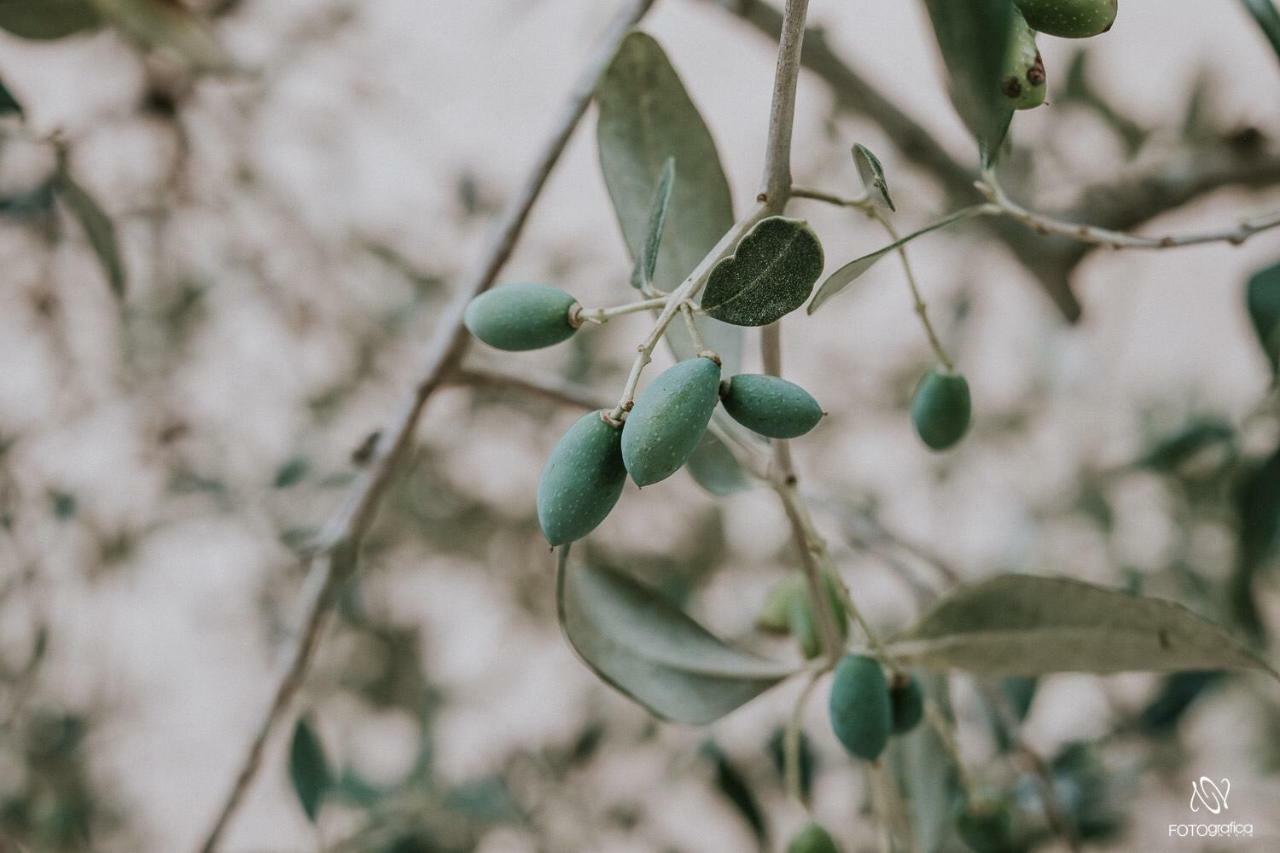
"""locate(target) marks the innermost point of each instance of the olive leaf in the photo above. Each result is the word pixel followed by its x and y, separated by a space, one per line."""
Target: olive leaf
pixel 47 19
pixel 647 261
pixel 169 28
pixel 640 643
pixel 8 103
pixel 1025 625
pixel 645 118
pixel 850 272
pixel 1268 18
pixel 97 226
pixel 308 768
pixel 1257 504
pixel 1263 298
pixel 873 179
pixel 932 786
pixel 973 36
pixel 714 467
pixel 769 275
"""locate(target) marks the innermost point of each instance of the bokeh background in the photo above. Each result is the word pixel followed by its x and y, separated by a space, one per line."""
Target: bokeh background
pixel 291 233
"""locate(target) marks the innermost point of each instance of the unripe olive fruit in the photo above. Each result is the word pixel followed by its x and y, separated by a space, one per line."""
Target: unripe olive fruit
pixel 582 480
pixel 861 715
pixel 1073 19
pixel 1023 80
pixel 775 613
pixel 941 409
pixel 522 316
pixel 813 839
pixel 986 827
pixel 669 418
pixel 769 405
pixel 907 701
pixel 804 622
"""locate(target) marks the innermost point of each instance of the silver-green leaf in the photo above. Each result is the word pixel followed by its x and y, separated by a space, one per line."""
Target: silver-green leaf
pixel 873 179
pixel 646 117
pixel 769 275
pixel 641 644
pixel 170 28
pixel 1026 625
pixel 973 36
pixel 850 272
pixel 98 227
pixel 8 103
pixel 47 19
pixel 714 467
pixel 308 768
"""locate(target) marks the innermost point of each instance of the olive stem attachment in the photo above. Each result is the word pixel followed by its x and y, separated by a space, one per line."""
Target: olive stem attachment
pixel 599 316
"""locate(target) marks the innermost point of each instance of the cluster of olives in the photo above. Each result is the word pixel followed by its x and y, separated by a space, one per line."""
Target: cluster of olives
pixel 1024 78
pixel 587 469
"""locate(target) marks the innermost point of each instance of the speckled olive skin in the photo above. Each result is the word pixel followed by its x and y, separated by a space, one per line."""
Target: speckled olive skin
pixel 941 409
pixel 813 839
pixel 1024 81
pixel 907 701
pixel 668 420
pixel 861 715
pixel 520 317
pixel 582 480
pixel 1073 19
pixel 770 406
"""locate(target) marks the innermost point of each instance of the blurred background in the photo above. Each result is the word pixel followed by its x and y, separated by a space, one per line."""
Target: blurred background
pixel 177 422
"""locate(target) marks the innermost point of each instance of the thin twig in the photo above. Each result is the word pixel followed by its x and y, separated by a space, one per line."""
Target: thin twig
pixel 917 301
pixel 862 203
pixel 553 388
pixel 336 560
pixel 791 740
pixel 600 316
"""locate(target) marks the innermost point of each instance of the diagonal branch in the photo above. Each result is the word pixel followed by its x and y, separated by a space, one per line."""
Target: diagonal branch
pixel 336 558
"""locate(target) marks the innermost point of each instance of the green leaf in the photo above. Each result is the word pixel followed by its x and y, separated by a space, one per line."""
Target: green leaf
pixel 714 467
pixel 1025 625
pixel 292 472
pixel 170 28
pixel 1257 503
pixel 850 272
pixel 973 36
pixel 1268 18
pixel 873 179
pixel 97 227
pixel 47 19
pixel 733 784
pixel 1263 297
pixel 769 275
pixel 640 643
pixel 931 784
pixel 308 768
pixel 647 262
pixel 646 117
pixel 8 103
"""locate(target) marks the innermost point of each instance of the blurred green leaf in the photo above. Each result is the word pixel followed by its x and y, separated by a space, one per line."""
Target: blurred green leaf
pixel 1174 451
pixel 641 644
pixel 929 781
pixel 8 103
pixel 807 760
pixel 47 19
pixel 973 36
pixel 308 768
pixel 1027 625
pixel 646 117
pixel 1257 503
pixel 770 274
pixel 291 472
pixel 714 467
pixel 1268 18
pixel 1178 692
pixel 733 786
pixel 1263 298
pixel 97 226
pixel 873 179
pixel 168 27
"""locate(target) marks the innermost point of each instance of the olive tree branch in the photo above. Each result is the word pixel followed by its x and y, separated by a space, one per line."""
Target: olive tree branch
pixel 600 316
pixel 336 557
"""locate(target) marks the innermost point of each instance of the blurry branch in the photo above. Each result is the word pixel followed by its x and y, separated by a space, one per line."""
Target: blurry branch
pixel 336 558
pixel 1118 205
pixel 551 388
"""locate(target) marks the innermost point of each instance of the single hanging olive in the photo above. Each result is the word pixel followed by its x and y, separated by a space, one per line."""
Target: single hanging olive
pixel 770 406
pixel 519 317
pixel 861 715
pixel 907 701
pixel 941 409
pixel 813 839
pixel 669 418
pixel 1073 19
pixel 582 480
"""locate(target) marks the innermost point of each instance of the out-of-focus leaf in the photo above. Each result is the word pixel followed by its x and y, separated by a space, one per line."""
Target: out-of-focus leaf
pixel 808 762
pixel 1263 298
pixel 1178 693
pixel 929 781
pixel 8 103
pixel 1257 500
pixel 97 226
pixel 167 27
pixel 734 787
pixel 647 261
pixel 1020 691
pixel 873 179
pixel 292 472
pixel 1026 625
pixel 770 274
pixel 308 768
pixel 1268 18
pixel 850 272
pixel 641 644
pixel 47 19
pixel 973 36
pixel 1172 452
pixel 484 800
pixel 29 204
pixel 646 117
pixel 714 467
